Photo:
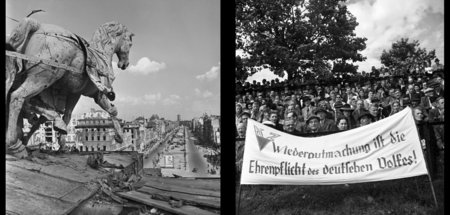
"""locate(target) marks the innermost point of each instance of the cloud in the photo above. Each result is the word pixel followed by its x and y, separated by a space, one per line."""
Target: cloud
pixel 171 100
pixel 383 22
pixel 212 74
pixel 205 94
pixel 200 107
pixel 146 66
pixel 149 99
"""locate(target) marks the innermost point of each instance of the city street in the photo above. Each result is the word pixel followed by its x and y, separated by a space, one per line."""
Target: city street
pixel 185 157
pixel 195 157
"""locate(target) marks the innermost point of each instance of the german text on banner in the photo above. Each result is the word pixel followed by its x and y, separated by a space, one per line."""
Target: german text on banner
pixel 383 150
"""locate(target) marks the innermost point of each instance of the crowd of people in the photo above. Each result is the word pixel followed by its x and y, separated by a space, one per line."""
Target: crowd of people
pixel 324 108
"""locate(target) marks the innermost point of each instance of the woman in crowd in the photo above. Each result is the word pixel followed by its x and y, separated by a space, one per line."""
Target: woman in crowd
pixel 395 108
pixel 342 124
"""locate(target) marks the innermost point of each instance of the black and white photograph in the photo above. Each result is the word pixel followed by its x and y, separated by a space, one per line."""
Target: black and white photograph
pixel 113 107
pixel 339 107
pixel 326 107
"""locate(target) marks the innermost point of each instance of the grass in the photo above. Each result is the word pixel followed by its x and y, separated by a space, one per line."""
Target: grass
pixel 395 197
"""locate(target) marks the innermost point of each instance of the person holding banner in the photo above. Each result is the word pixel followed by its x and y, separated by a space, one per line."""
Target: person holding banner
pixel 428 140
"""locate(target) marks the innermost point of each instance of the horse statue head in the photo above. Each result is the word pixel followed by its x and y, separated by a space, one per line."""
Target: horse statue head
pixel 113 37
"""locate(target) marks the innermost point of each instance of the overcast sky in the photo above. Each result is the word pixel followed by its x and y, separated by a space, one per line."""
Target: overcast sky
pixel 175 58
pixel 383 22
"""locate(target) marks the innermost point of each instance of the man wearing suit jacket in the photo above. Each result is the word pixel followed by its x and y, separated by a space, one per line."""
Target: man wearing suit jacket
pixel 427 101
pixel 308 110
pixel 325 124
pixel 360 110
pixel 437 114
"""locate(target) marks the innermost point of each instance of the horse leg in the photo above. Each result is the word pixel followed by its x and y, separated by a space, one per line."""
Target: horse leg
pixel 49 114
pixel 35 83
pixel 71 101
pixel 104 103
pixel 35 124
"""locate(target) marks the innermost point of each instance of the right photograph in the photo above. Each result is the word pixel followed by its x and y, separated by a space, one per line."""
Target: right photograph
pixel 339 107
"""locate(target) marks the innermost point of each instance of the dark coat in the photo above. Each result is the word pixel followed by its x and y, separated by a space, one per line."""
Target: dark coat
pixel 431 152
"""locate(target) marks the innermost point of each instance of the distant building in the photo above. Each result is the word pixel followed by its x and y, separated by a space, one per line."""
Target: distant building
pixel 95 131
pixel 207 129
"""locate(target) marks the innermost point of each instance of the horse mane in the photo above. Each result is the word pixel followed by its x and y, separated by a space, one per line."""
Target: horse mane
pixel 107 32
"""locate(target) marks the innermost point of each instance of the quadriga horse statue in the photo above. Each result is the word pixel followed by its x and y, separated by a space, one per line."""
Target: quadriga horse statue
pixel 52 92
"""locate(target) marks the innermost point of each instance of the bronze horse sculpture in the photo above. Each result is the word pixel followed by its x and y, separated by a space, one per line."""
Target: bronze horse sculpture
pixel 52 92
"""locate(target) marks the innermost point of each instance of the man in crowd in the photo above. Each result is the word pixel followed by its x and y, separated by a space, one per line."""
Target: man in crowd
pixel 428 99
pixel 244 117
pixel 238 112
pixel 365 119
pixel 241 129
pixel 308 109
pixel 360 110
pixel 298 121
pixel 273 117
pixel 437 114
pixel 290 127
pixel 325 124
pixel 255 113
pixel 428 141
pixel 312 124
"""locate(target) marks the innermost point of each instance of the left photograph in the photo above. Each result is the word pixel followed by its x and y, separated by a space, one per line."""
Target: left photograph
pixel 112 107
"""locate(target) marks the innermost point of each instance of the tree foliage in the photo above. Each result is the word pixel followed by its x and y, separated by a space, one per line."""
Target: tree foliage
pixel 154 117
pixel 296 35
pixel 405 56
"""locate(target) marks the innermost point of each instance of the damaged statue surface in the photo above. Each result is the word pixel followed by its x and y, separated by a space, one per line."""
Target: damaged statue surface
pixel 39 92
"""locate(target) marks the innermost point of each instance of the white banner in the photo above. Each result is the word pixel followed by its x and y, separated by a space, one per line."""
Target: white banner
pixel 168 161
pixel 383 150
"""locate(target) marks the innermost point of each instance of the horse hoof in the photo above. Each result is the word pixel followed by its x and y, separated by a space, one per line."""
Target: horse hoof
pixel 22 154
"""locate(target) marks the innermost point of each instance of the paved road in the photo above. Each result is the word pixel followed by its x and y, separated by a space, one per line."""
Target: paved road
pixel 194 158
pixel 148 163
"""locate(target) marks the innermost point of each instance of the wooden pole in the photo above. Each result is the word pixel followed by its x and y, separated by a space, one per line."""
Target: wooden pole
pixel 432 190
pixel 239 199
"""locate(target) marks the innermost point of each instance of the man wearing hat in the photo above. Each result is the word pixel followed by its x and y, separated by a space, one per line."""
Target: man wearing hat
pixel 312 124
pixel 347 111
pixel 325 124
pixel 428 100
pixel 365 119
pixel 308 109
pixel 415 100
pixel 360 110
